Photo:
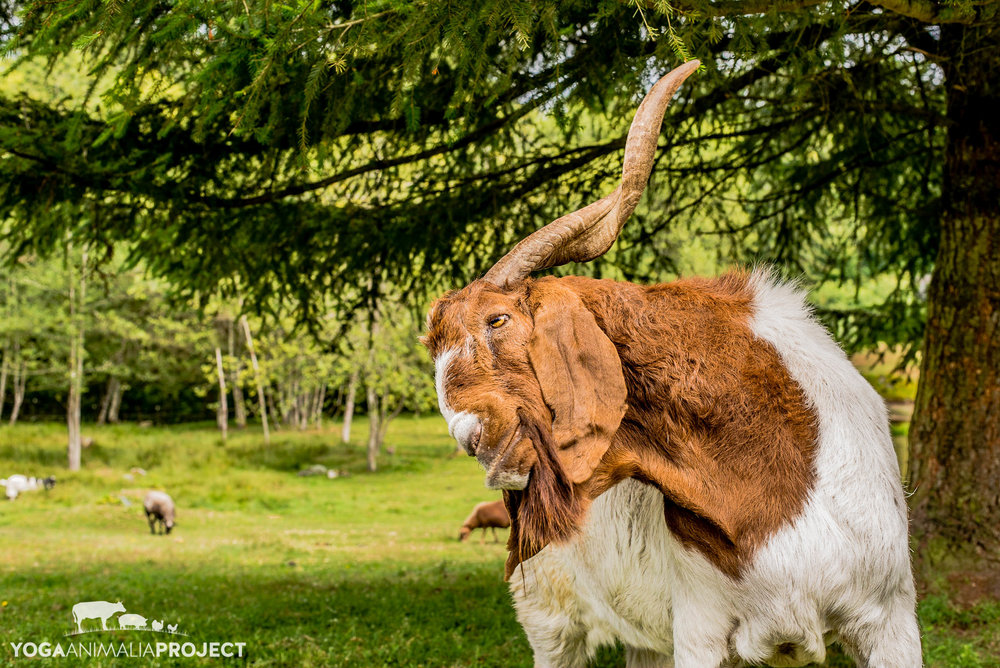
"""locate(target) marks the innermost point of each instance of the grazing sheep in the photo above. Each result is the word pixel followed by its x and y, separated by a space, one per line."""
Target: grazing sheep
pixel 486 515
pixel 159 507
pixel 18 483
pixel 692 468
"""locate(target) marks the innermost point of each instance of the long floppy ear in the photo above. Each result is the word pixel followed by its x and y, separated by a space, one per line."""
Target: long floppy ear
pixel 580 375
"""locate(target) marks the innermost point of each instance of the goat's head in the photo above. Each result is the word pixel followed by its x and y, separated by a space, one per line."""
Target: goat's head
pixel 520 367
pixel 528 382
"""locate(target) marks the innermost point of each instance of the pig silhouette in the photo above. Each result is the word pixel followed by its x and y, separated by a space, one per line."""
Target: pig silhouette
pixel 134 621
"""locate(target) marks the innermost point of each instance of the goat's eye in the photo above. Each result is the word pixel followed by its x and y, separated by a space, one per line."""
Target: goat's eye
pixel 498 320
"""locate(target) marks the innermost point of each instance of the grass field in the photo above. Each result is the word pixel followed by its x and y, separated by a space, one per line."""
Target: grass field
pixel 363 570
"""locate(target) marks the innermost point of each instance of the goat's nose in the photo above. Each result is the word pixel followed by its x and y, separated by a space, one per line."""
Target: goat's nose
pixel 466 428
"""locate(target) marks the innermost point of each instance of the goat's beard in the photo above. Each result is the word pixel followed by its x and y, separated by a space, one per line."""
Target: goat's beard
pixel 550 509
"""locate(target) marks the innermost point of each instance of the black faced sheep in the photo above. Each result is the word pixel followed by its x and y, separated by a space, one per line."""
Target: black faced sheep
pixel 159 507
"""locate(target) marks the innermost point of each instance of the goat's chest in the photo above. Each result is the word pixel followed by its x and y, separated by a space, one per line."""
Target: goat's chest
pixel 612 579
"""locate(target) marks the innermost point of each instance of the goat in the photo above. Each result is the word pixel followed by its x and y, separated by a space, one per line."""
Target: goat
pixel 159 507
pixel 692 468
pixel 486 515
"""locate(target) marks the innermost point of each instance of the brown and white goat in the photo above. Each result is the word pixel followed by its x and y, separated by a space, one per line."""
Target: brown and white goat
pixel 693 468
pixel 486 515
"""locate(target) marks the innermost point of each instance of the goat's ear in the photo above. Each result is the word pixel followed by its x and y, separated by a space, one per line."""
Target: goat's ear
pixel 580 375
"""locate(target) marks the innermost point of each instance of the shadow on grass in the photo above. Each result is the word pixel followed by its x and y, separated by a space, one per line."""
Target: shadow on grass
pixel 383 614
pixel 445 615
pixel 295 455
pixel 449 614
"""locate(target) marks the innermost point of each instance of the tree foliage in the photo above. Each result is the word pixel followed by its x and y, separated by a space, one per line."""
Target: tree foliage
pixel 298 152
pixel 300 148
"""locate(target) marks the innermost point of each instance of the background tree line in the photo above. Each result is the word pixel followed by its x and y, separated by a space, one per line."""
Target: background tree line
pixel 107 343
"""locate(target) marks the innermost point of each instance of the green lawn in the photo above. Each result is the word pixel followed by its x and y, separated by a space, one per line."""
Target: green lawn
pixel 357 571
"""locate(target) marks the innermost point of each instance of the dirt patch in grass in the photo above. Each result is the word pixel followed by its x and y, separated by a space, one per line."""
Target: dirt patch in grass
pixel 970 588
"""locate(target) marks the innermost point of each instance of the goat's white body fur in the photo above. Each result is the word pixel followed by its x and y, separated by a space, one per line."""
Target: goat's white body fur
pixel 841 570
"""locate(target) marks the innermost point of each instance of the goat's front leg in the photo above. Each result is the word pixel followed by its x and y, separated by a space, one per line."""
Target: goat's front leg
pixel 547 610
pixel 701 630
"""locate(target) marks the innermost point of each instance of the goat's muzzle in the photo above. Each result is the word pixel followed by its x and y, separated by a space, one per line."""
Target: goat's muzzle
pixel 506 466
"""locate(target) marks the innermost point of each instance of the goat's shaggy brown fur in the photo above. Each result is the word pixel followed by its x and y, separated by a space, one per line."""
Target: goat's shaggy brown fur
pixel 713 420
pixel 549 509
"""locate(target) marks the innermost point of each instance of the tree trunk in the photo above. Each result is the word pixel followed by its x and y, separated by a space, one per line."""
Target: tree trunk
pixel 116 402
pixel 77 300
pixel 10 360
pixel 4 371
pixel 113 386
pixel 317 415
pixel 102 415
pixel 239 405
pixel 374 431
pixel 275 415
pixel 19 381
pixel 260 381
pixel 955 438
pixel 74 442
pixel 304 404
pixel 352 392
pixel 222 417
pixel 374 405
pixel 385 419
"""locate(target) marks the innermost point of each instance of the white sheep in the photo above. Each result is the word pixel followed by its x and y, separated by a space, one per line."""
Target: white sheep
pixel 18 483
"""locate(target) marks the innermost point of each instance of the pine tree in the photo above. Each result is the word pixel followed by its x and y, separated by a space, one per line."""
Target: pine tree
pixel 309 147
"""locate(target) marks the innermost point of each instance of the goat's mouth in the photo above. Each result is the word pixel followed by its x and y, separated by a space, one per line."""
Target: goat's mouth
pixel 501 470
pixel 477 437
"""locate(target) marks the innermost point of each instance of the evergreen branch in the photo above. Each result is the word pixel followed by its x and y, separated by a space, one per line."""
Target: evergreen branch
pixel 743 7
pixel 930 11
pixel 380 164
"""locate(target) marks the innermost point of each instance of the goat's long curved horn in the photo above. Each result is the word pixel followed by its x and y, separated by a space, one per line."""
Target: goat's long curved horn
pixel 589 232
